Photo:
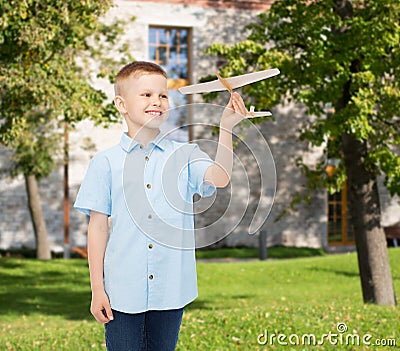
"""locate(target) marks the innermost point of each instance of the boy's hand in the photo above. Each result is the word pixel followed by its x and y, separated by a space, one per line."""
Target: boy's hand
pixel 234 112
pixel 100 307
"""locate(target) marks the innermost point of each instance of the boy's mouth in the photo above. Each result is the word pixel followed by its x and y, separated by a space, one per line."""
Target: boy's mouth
pixel 154 113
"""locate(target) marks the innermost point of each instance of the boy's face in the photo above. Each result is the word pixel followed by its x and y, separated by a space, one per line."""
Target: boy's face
pixel 143 101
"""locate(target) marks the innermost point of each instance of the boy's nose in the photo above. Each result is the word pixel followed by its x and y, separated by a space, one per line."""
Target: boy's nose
pixel 156 101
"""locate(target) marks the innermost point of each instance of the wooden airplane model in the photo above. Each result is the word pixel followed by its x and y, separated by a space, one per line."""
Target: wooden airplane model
pixel 231 83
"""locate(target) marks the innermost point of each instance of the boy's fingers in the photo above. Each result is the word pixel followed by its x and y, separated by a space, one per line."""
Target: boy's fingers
pixel 108 312
pixel 100 317
pixel 101 313
pixel 230 102
pixel 239 104
pixel 237 97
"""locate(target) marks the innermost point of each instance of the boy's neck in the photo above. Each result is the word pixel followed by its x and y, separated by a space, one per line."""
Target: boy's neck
pixel 143 136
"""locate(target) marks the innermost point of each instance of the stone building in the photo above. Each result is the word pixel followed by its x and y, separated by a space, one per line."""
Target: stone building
pixel 174 34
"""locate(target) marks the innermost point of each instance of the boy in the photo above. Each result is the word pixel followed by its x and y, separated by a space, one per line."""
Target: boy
pixel 144 273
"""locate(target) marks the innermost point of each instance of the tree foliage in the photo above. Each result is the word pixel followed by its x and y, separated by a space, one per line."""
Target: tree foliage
pixel 49 51
pixel 323 51
pixel 341 59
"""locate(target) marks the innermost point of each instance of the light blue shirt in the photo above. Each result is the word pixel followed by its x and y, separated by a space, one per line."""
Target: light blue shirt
pixel 149 262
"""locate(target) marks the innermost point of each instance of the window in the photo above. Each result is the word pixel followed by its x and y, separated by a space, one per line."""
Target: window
pixel 340 228
pixel 170 48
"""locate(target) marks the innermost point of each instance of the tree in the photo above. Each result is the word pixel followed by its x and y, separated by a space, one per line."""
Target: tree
pixel 341 59
pixel 48 49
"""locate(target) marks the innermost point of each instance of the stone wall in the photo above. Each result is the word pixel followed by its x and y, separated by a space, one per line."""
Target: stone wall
pixel 304 227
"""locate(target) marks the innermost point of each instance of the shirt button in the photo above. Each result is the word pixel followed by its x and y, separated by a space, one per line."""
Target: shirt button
pixel 151 276
pixel 148 186
pixel 141 146
pixel 149 216
pixel 147 158
pixel 150 246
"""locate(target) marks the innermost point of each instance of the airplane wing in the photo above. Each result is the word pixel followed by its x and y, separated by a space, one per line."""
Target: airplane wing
pixel 207 87
pixel 252 113
pixel 234 82
pixel 259 114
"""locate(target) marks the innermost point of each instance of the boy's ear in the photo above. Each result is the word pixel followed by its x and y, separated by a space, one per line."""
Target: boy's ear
pixel 120 104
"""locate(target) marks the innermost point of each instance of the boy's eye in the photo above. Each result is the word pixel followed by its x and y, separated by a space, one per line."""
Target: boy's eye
pixel 147 94
pixel 164 96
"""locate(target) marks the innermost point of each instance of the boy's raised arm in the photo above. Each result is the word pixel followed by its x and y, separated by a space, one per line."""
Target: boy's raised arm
pixel 219 174
pixel 97 241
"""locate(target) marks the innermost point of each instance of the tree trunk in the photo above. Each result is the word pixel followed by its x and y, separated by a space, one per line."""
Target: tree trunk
pixel 373 262
pixel 39 225
pixel 365 210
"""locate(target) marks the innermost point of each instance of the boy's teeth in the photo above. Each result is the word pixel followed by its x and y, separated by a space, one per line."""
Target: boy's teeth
pixel 154 113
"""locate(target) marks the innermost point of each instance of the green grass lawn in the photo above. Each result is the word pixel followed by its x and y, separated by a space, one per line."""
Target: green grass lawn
pixel 45 305
pixel 272 252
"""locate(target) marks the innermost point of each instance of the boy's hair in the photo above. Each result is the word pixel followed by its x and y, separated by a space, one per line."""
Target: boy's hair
pixel 136 69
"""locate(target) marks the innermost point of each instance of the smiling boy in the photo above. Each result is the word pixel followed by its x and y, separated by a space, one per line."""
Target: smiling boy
pixel 143 273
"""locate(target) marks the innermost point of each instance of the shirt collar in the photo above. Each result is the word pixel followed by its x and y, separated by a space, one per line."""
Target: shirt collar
pixel 128 144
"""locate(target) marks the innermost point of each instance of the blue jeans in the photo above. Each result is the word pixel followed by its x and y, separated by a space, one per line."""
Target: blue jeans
pixel 146 331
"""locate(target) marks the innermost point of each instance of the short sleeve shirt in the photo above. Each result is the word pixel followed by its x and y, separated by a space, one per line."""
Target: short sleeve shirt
pixel 149 262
